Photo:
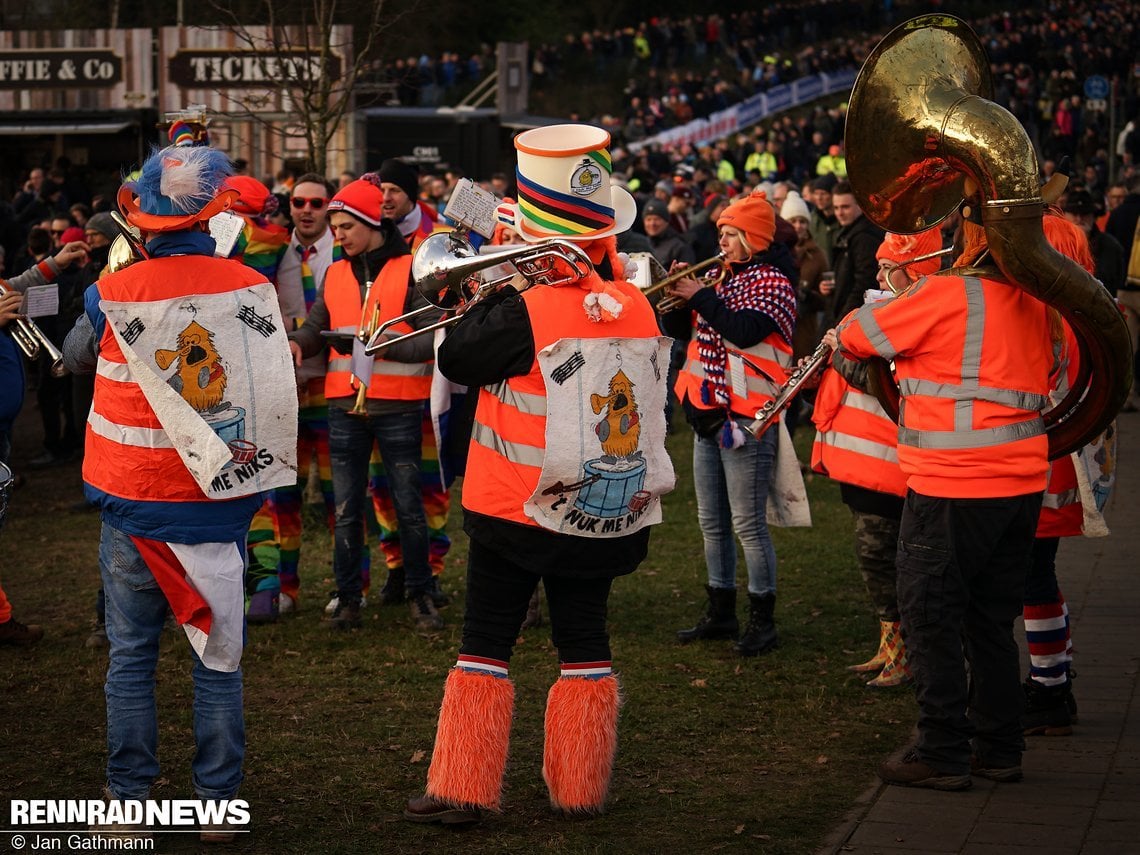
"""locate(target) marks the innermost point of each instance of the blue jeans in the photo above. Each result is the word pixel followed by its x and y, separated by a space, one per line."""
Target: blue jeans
pixel 400 438
pixel 732 496
pixel 136 612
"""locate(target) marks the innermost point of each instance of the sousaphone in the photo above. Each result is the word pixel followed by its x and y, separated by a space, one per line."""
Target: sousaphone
pixel 922 134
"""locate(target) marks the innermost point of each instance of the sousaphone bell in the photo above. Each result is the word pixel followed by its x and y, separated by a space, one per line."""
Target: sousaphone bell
pixel 922 134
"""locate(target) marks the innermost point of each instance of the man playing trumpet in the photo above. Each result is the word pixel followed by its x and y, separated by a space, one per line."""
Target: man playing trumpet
pixel 371 285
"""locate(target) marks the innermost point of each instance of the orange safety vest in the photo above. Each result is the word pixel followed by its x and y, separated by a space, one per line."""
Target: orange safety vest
pixel 855 442
pixel 126 451
pixel 1061 511
pixel 973 357
pixel 508 439
pixel 766 367
pixel 401 381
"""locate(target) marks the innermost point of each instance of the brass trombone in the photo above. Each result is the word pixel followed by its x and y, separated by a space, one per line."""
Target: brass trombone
pixel 707 279
pixel 31 339
pixel 448 272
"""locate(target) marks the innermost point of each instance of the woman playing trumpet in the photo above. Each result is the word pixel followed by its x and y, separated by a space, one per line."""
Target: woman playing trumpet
pixel 740 349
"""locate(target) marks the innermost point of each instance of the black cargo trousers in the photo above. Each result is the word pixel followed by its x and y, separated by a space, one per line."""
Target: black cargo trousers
pixel 962 566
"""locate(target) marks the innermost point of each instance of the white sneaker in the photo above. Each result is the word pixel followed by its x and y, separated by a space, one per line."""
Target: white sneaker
pixel 331 608
pixel 286 605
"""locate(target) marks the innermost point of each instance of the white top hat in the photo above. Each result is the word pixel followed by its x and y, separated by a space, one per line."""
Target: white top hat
pixel 564 186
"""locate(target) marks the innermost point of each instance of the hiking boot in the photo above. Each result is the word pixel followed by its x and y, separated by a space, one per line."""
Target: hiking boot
pixel 437 595
pixel 1046 709
pixel 218 832
pixel 760 632
pixel 427 809
pixel 120 830
pixel 14 632
pixel 910 771
pixel 264 607
pixel 97 640
pixel 346 616
pixel 334 603
pixel 392 594
pixel 424 612
pixel 719 619
pixel 1001 774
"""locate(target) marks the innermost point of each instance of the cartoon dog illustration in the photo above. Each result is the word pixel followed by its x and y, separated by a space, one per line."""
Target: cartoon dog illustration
pixel 620 428
pixel 200 377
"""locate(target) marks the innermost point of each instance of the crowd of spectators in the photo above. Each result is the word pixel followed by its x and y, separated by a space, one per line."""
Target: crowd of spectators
pixel 677 69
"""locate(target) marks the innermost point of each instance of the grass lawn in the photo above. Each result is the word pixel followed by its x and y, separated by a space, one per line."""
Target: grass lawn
pixel 716 753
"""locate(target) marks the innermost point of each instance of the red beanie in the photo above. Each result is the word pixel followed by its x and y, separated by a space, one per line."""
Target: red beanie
pixel 361 198
pixel 754 217
pixel 902 248
pixel 72 233
pixel 253 196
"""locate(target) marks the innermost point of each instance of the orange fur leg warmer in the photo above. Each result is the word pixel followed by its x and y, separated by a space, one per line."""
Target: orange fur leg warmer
pixel 470 754
pixel 581 740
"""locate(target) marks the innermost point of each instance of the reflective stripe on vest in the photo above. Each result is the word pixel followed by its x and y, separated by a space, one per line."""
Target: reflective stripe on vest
pixel 515 452
pixel 855 441
pixel 391 380
pixel 859 445
pixel 508 438
pixel 127 453
pixel 771 357
pixel 966 394
pixel 136 437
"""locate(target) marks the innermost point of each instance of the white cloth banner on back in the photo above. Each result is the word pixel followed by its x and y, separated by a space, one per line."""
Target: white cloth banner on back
pixel 217 371
pixel 605 467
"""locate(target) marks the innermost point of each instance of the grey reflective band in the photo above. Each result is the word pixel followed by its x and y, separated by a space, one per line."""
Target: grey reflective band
pixel 859 445
pixel 526 455
pixel 955 392
pixel 981 438
pixel 875 334
pixel 971 352
pixel 857 400
pixel 763 350
pixel 1061 500
pixel 524 402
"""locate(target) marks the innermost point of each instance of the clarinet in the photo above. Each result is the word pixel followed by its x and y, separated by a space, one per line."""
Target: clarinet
pixel 796 381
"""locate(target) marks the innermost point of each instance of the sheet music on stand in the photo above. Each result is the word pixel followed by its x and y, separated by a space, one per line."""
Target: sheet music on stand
pixel 473 207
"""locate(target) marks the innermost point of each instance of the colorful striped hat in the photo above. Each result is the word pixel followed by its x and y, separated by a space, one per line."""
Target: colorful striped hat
pixel 564 186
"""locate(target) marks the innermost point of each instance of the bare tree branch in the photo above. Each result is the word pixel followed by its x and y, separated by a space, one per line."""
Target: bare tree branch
pixel 320 101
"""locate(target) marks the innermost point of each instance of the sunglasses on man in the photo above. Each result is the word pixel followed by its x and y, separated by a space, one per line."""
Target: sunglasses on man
pixel 316 203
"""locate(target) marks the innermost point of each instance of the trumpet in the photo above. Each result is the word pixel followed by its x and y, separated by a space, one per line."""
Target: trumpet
pixel 31 339
pixel 367 326
pixel 708 278
pixel 792 386
pixel 448 272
